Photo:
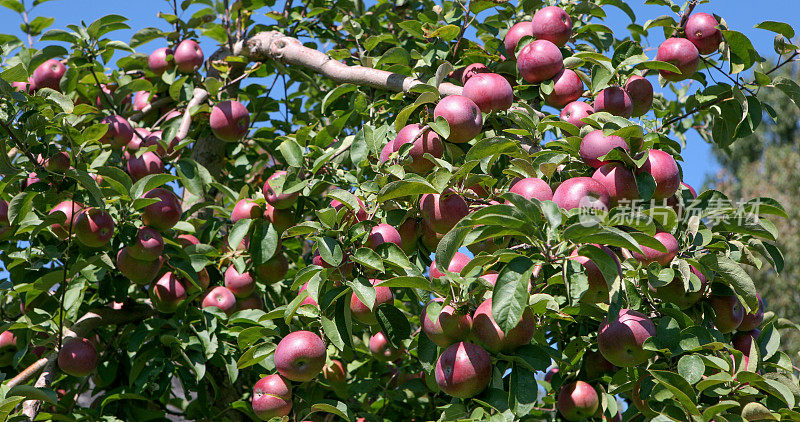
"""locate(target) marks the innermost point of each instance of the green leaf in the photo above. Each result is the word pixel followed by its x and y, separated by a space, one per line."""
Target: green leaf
pixel 291 152
pixel 334 407
pixel 33 393
pixel 368 258
pixel 394 324
pixel 743 54
pixel 657 65
pixel 733 273
pixel 779 27
pixel 446 33
pixel 263 242
pixel 441 127
pixel 150 182
pixel 410 282
pixel 238 232
pixel 335 93
pixel 510 294
pixel 194 176
pixel 790 88
pixel 330 250
pixel 679 387
pixel 691 368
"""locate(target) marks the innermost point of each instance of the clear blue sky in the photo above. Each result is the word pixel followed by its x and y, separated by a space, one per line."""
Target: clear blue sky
pixel 741 15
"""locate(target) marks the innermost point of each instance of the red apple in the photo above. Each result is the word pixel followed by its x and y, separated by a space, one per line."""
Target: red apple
pixel 427 142
pixel 519 30
pixel 491 277
pixel 241 285
pixel 230 121
pixel 246 208
pixel 681 53
pixel 141 99
pixel 56 163
pixel 595 145
pixel 744 340
pixel 598 285
pixel 203 281
pixel 575 111
pixel 77 357
pixel 381 349
pixel 158 60
pixel 701 30
pixel 272 397
pixel 274 270
pixel 471 70
pixel 68 210
pixel 553 24
pixel 548 376
pixel 463 116
pixel 595 365
pixel 250 302
pixel 463 370
pixel 449 327
pixel 567 87
pixel 94 227
pixel 360 214
pixel 577 401
pixel 620 341
pixel 532 187
pixel 665 172
pixel 168 293
pixel 386 152
pixel 614 100
pixel 618 181
pixel 119 131
pixel 308 300
pixel 186 240
pixel 154 139
pixel 442 212
pixel 300 356
pixel 335 373
pixel 640 90
pixel 138 271
pixel 676 293
pixel 429 238
pixel 365 314
pixel 220 297
pixel 652 255
pixel 281 219
pixel 148 245
pixel 164 214
pixel 409 235
pixel 8 348
pixel 188 56
pixel 383 233
pixel 490 91
pixel 49 74
pixel 280 201
pixel 753 321
pixel 581 192
pixel 539 61
pixel 457 264
pixel 728 312
pixel 146 164
pixel 489 334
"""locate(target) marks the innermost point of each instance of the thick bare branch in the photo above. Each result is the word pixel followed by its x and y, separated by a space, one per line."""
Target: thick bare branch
pixel 155 105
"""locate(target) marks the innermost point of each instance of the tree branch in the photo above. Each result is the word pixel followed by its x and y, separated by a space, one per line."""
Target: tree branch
pixel 681 23
pixel 155 105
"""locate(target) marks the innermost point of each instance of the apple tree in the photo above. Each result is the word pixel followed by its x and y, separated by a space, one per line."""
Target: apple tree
pixel 457 210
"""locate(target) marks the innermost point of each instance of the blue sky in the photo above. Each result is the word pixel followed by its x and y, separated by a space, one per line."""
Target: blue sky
pixel 741 15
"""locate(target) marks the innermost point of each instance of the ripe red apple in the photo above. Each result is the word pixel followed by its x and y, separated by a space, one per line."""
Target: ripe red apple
pixel 308 300
pixel 27 87
pixel 567 87
pixel 383 233
pixel 539 61
pixel 427 142
pixel 335 373
pixel 94 227
pixel 728 312
pixel 280 201
pixel 168 293
pixel 582 192
pixel 146 164
pixel 141 99
pixel 614 100
pixel 186 240
pixel 250 302
pixel 138 271
pixel 119 131
pixel 8 348
pixel 77 357
pixel 203 281
pixel 640 90
pixel 188 56
pixel 272 397
pixel 381 349
pixel 449 327
pixel 429 238
pixel 68 210
pixel 595 145
pixel 675 293
pixel 457 264
pixel 490 277
pixel 442 212
pixel 664 258
pixel 598 285
pixel 681 53
pixel 701 30
pixel 665 172
pixel 154 139
pixel 595 365
pixel 532 187
pixel 553 24
pixel 241 285
pixel 519 30
pixel 365 314
pixel 300 356
pixel 230 121
pixel 490 91
pixel 753 321
pixel 360 214
pixel 577 401
pixel 743 340
pixel 471 70
pixel 49 74
pixel 575 111
pixel 409 235
pixel 386 152
pixel 620 341
pixel 148 245
pixel 164 214
pixel 463 370
pixel 490 336
pixel 221 298
pixel 56 163
pixel 274 270
pixel 246 208
pixel 463 116
pixel 343 271
pixel 280 219
pixel 618 181
pixel 158 60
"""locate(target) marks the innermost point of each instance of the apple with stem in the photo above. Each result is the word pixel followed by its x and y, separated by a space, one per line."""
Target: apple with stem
pixel 463 370
pixel 300 356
